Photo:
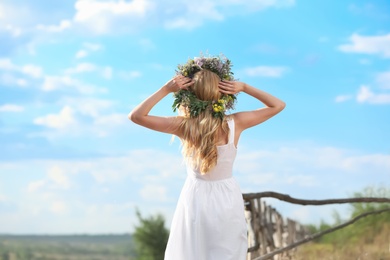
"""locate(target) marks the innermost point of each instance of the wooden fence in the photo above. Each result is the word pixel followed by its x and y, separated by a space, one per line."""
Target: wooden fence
pixel 268 230
pixel 270 236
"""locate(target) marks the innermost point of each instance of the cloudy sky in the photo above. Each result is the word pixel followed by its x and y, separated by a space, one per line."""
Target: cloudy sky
pixel 70 72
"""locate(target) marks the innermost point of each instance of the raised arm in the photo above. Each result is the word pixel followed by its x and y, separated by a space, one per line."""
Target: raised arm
pixel 140 114
pixel 244 120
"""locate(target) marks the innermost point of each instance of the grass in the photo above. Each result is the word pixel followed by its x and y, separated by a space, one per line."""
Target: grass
pixel 364 248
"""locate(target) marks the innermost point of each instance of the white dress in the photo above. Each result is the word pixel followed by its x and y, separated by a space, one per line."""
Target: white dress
pixel 209 221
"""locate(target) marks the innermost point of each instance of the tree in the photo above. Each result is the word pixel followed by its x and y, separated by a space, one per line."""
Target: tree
pixel 150 237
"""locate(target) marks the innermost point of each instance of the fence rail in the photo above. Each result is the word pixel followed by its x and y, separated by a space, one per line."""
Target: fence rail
pixel 270 236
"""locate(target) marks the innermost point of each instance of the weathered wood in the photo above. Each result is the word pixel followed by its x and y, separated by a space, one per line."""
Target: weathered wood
pixel 267 228
pixel 273 238
pixel 317 235
pixel 262 230
pixel 288 198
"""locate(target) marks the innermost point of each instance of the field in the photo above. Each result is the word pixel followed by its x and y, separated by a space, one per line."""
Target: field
pixel 71 247
pixel 368 247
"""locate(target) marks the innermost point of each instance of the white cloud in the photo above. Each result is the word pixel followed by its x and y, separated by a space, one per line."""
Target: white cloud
pixel 58 207
pixel 265 71
pixel 343 98
pixel 6 64
pixel 374 162
pixel 302 180
pixel 81 54
pixel 92 46
pixel 52 83
pixel 306 166
pixel 9 79
pixel 121 16
pixel 13 30
pixel 63 119
pixel 143 176
pixel 81 116
pixel 87 49
pixel 28 69
pixel 379 45
pixel 11 108
pixel 365 95
pixel 3 198
pixel 152 165
pixel 81 67
pixel 194 15
pixel 111 120
pixel 129 75
pixel 92 107
pixel 32 70
pixel 100 17
pixel 115 16
pixel 64 24
pixel 57 176
pixel 188 16
pixel 106 72
pixel 10 14
pixel 105 124
pixel 36 185
pixel 153 192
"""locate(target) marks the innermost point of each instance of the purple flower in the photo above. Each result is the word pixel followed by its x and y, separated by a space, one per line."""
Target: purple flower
pixel 198 61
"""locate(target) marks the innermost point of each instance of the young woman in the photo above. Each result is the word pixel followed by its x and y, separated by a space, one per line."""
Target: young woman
pixel 209 222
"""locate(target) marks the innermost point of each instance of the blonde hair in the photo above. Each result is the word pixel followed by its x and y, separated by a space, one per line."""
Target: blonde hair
pixel 200 134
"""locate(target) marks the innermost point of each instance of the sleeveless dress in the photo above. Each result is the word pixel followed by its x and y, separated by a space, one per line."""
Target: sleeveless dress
pixel 209 221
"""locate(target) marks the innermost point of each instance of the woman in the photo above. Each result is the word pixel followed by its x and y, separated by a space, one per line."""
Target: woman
pixel 209 222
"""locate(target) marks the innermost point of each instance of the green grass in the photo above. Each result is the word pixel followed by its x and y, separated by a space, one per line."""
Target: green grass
pixel 367 247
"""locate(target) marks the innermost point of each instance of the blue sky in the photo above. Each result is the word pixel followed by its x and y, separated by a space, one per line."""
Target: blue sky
pixel 70 71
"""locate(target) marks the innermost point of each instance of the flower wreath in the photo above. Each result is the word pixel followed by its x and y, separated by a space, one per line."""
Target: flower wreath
pixel 221 66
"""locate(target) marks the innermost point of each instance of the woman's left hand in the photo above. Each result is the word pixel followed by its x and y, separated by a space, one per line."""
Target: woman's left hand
pixel 231 87
pixel 178 82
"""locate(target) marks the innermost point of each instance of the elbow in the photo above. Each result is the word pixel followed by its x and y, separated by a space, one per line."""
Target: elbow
pixel 133 117
pixel 280 106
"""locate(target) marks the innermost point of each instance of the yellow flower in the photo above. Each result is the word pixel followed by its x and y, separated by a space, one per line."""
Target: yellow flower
pixel 221 101
pixel 185 74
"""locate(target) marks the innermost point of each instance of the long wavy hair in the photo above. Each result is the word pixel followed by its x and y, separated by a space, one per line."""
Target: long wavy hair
pixel 201 133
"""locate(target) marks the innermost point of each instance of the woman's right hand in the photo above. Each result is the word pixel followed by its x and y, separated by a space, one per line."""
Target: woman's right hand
pixel 178 82
pixel 231 87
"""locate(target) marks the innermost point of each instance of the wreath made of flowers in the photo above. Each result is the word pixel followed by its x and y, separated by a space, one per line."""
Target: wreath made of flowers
pixel 221 66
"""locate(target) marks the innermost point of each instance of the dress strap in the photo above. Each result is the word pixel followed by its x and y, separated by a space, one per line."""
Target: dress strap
pixel 231 130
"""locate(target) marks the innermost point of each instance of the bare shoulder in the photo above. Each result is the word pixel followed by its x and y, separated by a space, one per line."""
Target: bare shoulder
pixel 247 119
pixel 169 125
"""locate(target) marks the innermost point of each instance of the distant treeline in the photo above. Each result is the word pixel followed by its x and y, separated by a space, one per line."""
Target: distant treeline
pixel 61 247
pixel 109 238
